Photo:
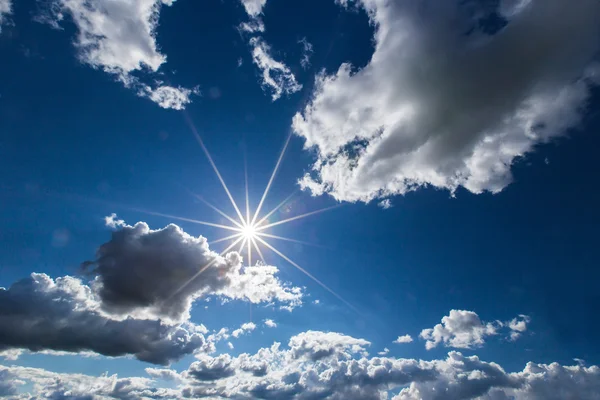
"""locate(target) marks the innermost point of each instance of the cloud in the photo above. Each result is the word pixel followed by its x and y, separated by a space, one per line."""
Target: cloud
pixel 5 9
pixel 119 37
pixel 242 330
pixel 384 352
pixel 307 52
pixel 464 330
pixel 270 323
pixel 403 339
pixel 276 76
pixel 254 7
pixel 39 313
pixel 347 373
pixel 155 273
pixel 385 204
pixel 447 102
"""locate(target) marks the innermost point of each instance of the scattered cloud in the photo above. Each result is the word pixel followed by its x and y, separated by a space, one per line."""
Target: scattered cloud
pixel 5 9
pixel 384 352
pixel 320 365
pixel 254 7
pixel 385 204
pixel 156 273
pixel 119 37
pixel 403 339
pixel 463 329
pixel 307 52
pixel 444 103
pixel 276 76
pixel 39 313
pixel 269 323
pixel 242 330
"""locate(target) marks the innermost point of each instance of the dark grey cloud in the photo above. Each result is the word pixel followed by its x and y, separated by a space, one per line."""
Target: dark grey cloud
pixel 159 273
pixel 447 101
pixel 39 313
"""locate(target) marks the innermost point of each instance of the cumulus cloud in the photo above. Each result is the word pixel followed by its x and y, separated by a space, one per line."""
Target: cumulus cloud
pixel 254 7
pixel 39 313
pixel 302 370
pixel 276 76
pixel 464 330
pixel 445 100
pixel 159 273
pixel 119 37
pixel 384 352
pixel 5 9
pixel 269 323
pixel 242 330
pixel 403 339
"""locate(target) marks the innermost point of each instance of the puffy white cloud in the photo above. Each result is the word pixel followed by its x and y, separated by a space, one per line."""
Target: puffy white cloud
pixel 346 373
pixel 384 352
pixel 119 37
pixel 445 102
pixel 270 323
pixel 245 328
pixel 5 9
pixel 159 273
pixel 307 52
pixel 254 7
pixel 276 76
pixel 464 330
pixel 64 315
pixel 403 339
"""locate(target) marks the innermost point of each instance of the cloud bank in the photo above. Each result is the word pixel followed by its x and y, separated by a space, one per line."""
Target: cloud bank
pixel 447 100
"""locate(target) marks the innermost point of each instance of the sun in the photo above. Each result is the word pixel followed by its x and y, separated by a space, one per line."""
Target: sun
pixel 249 232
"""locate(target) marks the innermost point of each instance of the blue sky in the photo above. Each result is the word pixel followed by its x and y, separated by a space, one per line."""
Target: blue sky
pixel 451 148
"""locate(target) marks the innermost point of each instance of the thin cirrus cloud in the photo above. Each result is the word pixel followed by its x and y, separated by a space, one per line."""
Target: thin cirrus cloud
pixel 5 10
pixel 119 37
pixel 320 365
pixel 276 77
pixel 464 329
pixel 138 301
pixel 445 103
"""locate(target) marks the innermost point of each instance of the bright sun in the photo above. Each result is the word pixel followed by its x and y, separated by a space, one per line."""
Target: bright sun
pixel 249 232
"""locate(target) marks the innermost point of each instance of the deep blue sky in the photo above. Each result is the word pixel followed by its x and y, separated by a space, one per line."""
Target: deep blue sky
pixel 75 146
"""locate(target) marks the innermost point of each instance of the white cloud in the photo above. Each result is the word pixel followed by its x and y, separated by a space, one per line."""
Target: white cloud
pixel 5 9
pixel 384 352
pixel 439 106
pixel 385 204
pixel 321 365
pixel 464 330
pixel 276 76
pixel 307 52
pixel 242 330
pixel 270 323
pixel 119 37
pixel 156 273
pixel 254 7
pixel 403 339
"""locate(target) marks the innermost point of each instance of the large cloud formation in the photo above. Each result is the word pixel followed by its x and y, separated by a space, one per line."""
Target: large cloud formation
pixel 159 273
pixel 448 98
pixel 139 301
pixel 320 365
pixel 119 37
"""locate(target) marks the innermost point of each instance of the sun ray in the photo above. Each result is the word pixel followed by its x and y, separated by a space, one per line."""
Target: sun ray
pixel 285 221
pixel 249 250
pixel 242 245
pixel 264 196
pixel 212 163
pixel 195 221
pixel 204 268
pixel 258 251
pixel 246 179
pixel 233 221
pixel 289 239
pixel 225 238
pixel 263 219
pixel 280 254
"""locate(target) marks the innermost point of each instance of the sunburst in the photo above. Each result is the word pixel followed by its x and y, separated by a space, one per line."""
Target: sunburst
pixel 249 228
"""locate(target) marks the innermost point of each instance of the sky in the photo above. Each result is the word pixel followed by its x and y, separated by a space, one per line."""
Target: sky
pixel 300 199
